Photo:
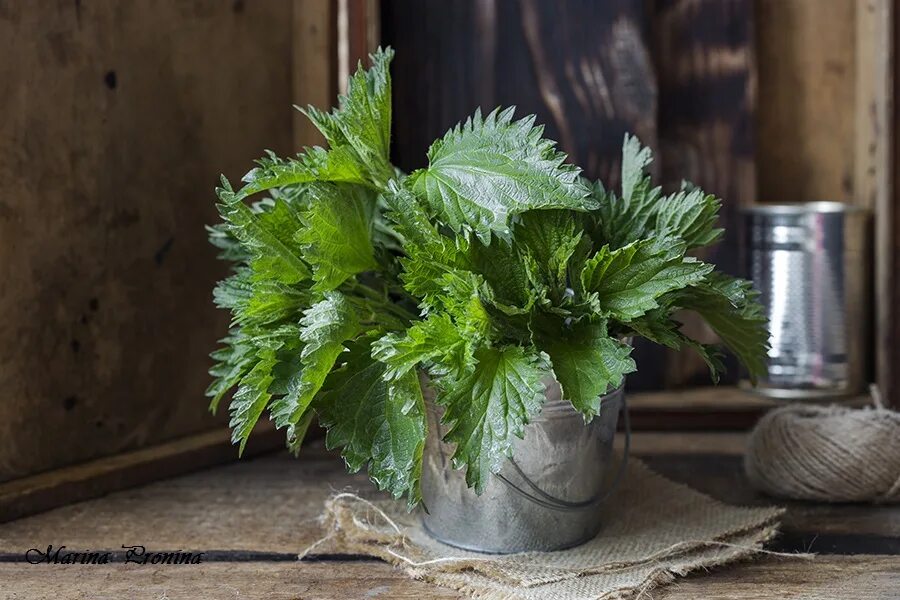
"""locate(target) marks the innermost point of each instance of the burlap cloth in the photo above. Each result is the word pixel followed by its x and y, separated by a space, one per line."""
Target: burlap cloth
pixel 655 529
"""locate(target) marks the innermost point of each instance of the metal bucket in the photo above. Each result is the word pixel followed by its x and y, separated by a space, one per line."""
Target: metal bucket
pixel 545 498
pixel 810 264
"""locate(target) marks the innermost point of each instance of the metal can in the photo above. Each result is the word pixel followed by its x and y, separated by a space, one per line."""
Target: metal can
pixel 810 264
pixel 560 457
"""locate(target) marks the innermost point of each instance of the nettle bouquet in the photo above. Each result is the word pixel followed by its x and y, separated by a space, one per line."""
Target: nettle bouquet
pixel 493 268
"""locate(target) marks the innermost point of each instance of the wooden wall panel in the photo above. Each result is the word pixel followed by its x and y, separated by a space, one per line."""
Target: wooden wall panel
pixel 806 119
pixel 706 70
pixel 678 73
pixel 582 67
pixel 117 119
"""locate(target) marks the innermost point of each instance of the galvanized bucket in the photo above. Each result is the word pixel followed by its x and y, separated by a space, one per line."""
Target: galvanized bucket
pixel 545 498
pixel 810 263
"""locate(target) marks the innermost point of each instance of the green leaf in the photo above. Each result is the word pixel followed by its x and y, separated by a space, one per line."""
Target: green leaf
pixel 503 270
pixel 487 170
pixel 550 238
pixel 337 233
pixel 430 256
pixel 690 216
pixel 628 281
pixel 586 361
pixel 376 422
pixel 324 329
pixel 268 236
pixel 251 398
pixel 658 327
pixel 232 362
pixel 732 309
pixel 629 217
pixel 257 302
pixel 315 164
pixel 435 338
pixel 362 122
pixel 486 408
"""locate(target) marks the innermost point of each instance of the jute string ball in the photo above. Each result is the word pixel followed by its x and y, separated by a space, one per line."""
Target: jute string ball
pixel 826 454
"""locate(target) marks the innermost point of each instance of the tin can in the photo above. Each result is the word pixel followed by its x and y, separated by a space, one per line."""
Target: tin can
pixel 544 498
pixel 810 265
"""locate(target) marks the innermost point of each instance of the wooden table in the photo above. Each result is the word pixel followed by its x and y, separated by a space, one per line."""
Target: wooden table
pixel 252 517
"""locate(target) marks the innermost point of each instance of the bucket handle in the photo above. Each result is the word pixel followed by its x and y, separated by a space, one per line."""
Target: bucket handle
pixel 552 502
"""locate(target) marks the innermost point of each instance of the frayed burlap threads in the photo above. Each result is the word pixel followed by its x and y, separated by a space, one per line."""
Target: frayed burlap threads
pixel 830 454
pixel 655 530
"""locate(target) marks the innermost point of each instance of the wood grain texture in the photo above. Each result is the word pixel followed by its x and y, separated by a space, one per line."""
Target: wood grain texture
pixel 270 504
pixel 251 517
pixel 706 70
pixel 37 493
pixel 887 240
pixel 806 119
pixel 826 578
pixel 117 119
pixel 314 64
pixel 584 68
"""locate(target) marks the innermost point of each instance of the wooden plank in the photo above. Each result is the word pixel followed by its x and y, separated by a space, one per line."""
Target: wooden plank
pixel 863 578
pixel 214 581
pixel 314 64
pixel 831 577
pixel 37 493
pixel 582 67
pixel 806 121
pixel 722 477
pixel 707 408
pixel 874 80
pixel 271 503
pixel 705 60
pixel 887 241
pixel 117 120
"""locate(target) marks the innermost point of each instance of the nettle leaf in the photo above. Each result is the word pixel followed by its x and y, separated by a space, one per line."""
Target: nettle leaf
pixel 232 362
pixel 259 302
pixel 434 339
pixel 658 326
pixel 486 408
pixel 251 398
pixel 628 281
pixel 732 309
pixel 430 255
pixel 503 270
pixel 337 233
pixel 361 125
pixel 325 327
pixel 489 169
pixel 268 236
pixel 690 216
pixel 627 218
pixel 550 238
pixel 587 362
pixel 376 422
pixel 315 164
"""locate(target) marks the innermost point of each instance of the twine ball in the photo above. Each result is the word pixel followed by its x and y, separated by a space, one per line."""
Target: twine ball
pixel 826 454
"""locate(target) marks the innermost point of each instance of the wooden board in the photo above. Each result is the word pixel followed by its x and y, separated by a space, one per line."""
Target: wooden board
pixel 117 119
pixel 67 485
pixel 314 79
pixel 584 68
pixel 826 578
pixel 807 81
pixel 252 518
pixel 705 59
pixel 270 504
pixel 887 244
